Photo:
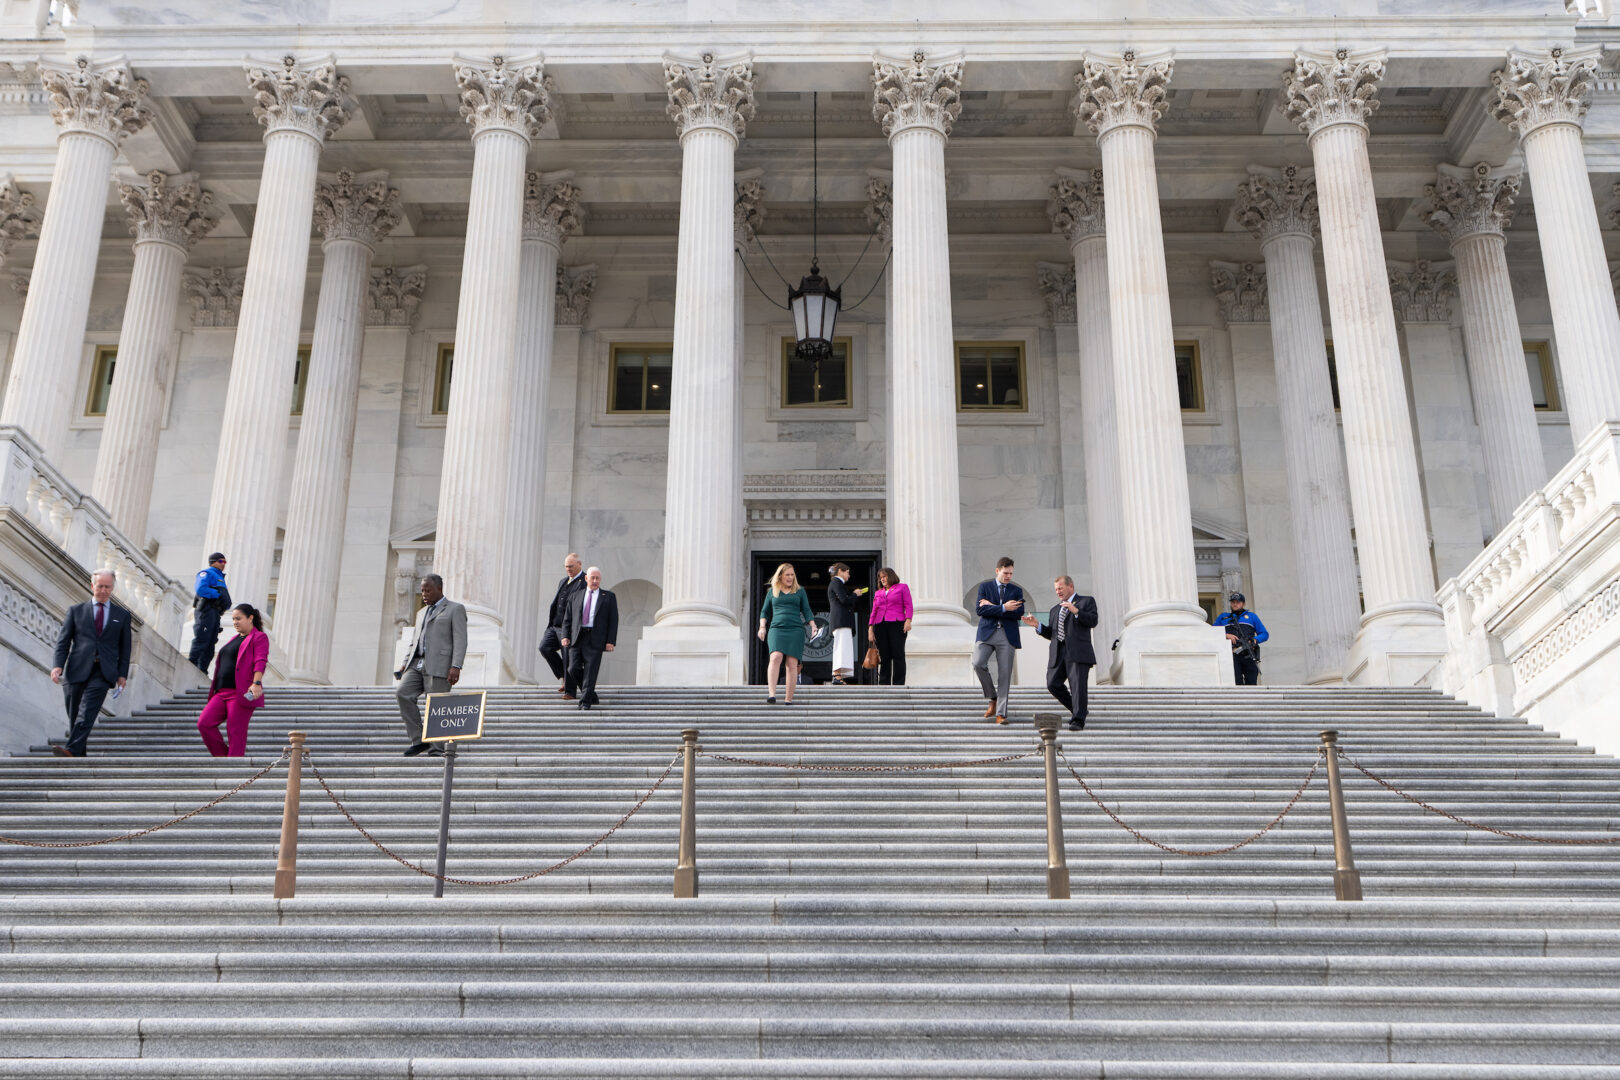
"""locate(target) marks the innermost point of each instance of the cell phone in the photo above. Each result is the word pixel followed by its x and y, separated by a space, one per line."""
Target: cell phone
pixel 116 691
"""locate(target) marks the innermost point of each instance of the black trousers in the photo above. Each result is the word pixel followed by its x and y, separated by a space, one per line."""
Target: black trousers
pixel 890 638
pixel 83 701
pixel 1246 670
pixel 204 636
pixel 586 661
pixel 1067 683
pixel 557 657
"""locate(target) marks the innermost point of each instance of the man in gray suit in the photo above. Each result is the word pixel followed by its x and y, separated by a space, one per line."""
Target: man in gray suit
pixel 434 665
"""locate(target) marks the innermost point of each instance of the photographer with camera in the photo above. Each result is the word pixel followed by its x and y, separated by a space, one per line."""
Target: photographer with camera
pixel 1246 633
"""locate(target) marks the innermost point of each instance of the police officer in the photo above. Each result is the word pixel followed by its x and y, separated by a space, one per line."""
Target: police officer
pixel 1245 632
pixel 213 600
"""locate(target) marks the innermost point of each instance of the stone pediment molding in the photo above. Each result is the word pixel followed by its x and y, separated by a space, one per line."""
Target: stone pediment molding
pixel 815 484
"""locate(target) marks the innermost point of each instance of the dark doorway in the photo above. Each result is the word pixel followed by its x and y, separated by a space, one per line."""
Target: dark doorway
pixel 811 568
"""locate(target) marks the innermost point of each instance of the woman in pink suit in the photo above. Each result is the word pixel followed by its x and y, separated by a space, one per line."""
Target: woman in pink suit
pixel 889 625
pixel 238 686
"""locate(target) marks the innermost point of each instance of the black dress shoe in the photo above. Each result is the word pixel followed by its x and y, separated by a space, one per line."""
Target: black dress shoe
pixel 415 748
pixel 1076 725
pixel 437 751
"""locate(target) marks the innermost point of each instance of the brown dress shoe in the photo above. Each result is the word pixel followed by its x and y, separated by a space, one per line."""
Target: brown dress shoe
pixel 62 751
pixel 567 696
pixel 990 710
pixel 1001 719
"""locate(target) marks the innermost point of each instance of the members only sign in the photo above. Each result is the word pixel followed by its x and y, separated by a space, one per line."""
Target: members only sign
pixel 453 717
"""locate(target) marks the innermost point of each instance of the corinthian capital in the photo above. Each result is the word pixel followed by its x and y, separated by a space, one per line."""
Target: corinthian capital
pixel 173 209
pixel 18 218
pixel 97 98
pixel 1278 202
pixel 916 92
pixel 710 93
pixel 1126 90
pixel 393 295
pixel 1536 89
pixel 503 93
pixel 574 287
pixel 748 209
pixel 551 210
pixel 215 295
pixel 1325 89
pixel 880 203
pixel 1422 290
pixel 356 206
pixel 1057 286
pixel 1075 204
pixel 1240 289
pixel 1462 202
pixel 307 96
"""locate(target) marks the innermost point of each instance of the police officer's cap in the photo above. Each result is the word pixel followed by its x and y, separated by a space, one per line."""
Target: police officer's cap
pixel 1237 598
pixel 218 556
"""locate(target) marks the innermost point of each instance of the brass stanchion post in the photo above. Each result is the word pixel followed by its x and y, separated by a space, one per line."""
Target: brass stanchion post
pixel 1057 863
pixel 287 853
pixel 686 875
pixel 1346 878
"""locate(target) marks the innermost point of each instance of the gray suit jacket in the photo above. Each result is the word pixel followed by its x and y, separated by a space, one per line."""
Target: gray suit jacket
pixel 441 638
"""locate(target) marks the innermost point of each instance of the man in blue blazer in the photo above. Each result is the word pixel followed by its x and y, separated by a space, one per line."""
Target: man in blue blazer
pixel 92 656
pixel 1000 603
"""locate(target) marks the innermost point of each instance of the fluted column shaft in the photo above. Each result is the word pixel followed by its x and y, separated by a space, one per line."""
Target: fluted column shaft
pixel 1317 495
pixel 127 458
pixel 1509 435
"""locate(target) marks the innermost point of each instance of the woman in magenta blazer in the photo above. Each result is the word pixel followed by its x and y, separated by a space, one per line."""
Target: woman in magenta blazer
pixel 889 625
pixel 238 686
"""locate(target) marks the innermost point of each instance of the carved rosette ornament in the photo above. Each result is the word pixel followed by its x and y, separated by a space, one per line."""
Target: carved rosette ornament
pixel 215 295
pixel 1325 89
pixel 1464 202
pixel 1240 289
pixel 1537 89
pixel 915 92
pixel 1422 290
pixel 574 287
pixel 393 295
pixel 356 206
pixel 307 96
pixel 1278 202
pixel 880 203
pixel 551 211
pixel 172 209
pixel 1127 90
pixel 1057 286
pixel 98 98
pixel 1075 204
pixel 18 218
pixel 748 211
pixel 504 93
pixel 710 93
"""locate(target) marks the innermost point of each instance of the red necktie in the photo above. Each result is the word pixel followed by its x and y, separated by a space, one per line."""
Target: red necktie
pixel 101 618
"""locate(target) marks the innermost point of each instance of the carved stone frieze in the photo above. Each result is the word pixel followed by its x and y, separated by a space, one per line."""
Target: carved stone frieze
pixel 307 96
pixel 171 208
pixel 18 218
pixel 1240 290
pixel 551 210
pixel 710 92
pixel 1328 88
pixel 1278 202
pixel 215 295
pixel 393 295
pixel 96 97
pixel 356 206
pixel 1057 288
pixel 1462 202
pixel 19 282
pixel 575 284
pixel 916 92
pixel 748 211
pixel 1535 89
pixel 1075 204
pixel 1127 90
pixel 504 93
pixel 880 203
pixel 1422 290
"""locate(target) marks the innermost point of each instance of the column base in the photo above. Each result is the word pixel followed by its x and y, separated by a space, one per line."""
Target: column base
pixel 691 655
pixel 1398 647
pixel 486 663
pixel 1173 654
pixel 939 650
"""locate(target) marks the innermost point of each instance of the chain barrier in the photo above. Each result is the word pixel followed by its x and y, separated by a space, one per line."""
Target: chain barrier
pixel 808 767
pixel 1379 780
pixel 582 852
pixel 260 775
pixel 1188 851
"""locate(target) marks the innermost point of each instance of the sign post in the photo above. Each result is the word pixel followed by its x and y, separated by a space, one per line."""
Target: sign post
pixel 451 717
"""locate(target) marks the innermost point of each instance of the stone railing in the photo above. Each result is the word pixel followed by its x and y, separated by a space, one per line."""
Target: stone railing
pixel 81 528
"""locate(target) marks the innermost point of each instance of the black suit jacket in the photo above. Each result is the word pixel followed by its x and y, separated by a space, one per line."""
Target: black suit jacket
pixel 566 588
pixel 78 649
pixel 1075 648
pixel 604 628
pixel 842 604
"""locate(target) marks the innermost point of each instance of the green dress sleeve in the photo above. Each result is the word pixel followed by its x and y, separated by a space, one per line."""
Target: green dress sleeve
pixel 765 612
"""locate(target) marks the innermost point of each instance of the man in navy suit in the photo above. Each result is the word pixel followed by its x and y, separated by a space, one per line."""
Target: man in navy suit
pixel 92 656
pixel 999 605
pixel 1070 657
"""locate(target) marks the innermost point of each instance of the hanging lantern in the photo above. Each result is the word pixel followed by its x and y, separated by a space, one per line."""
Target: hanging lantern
pixel 815 316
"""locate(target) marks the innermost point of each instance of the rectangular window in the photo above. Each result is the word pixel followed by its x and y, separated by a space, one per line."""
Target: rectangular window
pixel 1211 603
pixel 101 377
pixel 1189 377
pixel 826 385
pixel 1333 376
pixel 441 378
pixel 639 378
pixel 990 377
pixel 300 380
pixel 1543 385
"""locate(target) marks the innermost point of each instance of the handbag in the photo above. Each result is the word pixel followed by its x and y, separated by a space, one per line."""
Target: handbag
pixel 871 660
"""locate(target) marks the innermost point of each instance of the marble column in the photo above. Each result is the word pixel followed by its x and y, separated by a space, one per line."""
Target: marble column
pixel 1075 206
pixel 880 216
pixel 748 214
pixel 575 287
pixel 695 637
pixel 95 105
pixel 300 103
pixel 354 211
pixel 506 102
pixel 1330 96
pixel 551 214
pixel 1543 97
pixel 1472 207
pixel 167 215
pixel 1165 639
pixel 917 100
pixel 1279 207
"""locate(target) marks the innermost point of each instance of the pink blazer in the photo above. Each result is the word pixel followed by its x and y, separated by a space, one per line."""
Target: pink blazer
pixel 892 604
pixel 251 659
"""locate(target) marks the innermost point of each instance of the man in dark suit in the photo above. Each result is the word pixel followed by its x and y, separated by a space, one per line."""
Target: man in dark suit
pixel 92 657
pixel 1070 657
pixel 1000 605
pixel 551 647
pixel 590 629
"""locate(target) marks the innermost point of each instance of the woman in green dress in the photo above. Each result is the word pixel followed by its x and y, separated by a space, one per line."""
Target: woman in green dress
pixel 781 627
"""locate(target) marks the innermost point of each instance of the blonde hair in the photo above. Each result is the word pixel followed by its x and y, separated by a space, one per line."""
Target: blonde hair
pixel 777 589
